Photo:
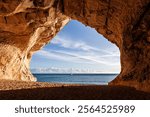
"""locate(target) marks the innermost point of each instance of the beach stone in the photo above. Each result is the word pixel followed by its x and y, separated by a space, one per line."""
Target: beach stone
pixel 26 26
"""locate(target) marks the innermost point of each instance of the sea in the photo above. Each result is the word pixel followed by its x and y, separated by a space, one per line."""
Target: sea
pixel 93 79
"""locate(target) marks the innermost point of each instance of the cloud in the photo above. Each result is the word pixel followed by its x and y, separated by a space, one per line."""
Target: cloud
pixel 64 70
pixel 68 43
pixel 77 45
pixel 78 57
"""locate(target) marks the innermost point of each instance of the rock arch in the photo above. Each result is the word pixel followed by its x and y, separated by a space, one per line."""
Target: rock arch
pixel 27 25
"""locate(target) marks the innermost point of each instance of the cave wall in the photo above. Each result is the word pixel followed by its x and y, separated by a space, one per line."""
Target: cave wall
pixel 26 26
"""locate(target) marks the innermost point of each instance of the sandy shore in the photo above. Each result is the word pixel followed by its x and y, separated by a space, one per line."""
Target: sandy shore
pixel 36 90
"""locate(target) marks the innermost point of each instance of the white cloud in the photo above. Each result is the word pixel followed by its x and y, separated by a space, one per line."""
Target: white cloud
pixel 64 70
pixel 79 45
pixel 68 43
pixel 78 57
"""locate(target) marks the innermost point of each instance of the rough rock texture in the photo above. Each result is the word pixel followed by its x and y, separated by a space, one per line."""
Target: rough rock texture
pixel 27 25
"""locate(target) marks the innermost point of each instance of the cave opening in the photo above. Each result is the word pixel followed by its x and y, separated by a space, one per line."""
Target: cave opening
pixel 78 54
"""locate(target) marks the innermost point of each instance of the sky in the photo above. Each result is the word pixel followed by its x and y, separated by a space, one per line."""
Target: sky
pixel 77 49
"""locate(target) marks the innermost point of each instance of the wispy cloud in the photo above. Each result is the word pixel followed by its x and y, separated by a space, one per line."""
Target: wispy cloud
pixel 78 57
pixel 64 70
pixel 78 45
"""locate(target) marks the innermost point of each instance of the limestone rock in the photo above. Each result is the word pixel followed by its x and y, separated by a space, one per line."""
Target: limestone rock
pixel 25 27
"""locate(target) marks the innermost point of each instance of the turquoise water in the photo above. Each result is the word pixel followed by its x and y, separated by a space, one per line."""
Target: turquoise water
pixel 97 79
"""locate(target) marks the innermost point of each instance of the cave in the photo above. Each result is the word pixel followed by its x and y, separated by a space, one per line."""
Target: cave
pixel 26 26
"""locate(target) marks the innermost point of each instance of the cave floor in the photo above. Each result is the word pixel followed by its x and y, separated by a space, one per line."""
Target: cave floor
pixel 19 90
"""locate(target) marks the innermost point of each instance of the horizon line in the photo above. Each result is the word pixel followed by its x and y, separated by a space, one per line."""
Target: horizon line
pixel 75 73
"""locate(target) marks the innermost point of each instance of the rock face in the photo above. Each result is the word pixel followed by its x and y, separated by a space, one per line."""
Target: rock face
pixel 27 25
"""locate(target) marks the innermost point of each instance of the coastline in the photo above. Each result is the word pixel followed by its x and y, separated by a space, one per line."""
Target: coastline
pixel 42 90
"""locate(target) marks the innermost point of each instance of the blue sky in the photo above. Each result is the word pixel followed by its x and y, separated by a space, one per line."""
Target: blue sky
pixel 78 49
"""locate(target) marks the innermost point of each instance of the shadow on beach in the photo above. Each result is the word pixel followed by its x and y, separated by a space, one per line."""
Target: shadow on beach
pixel 75 93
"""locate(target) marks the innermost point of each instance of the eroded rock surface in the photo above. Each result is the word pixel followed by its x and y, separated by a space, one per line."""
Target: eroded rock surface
pixel 27 25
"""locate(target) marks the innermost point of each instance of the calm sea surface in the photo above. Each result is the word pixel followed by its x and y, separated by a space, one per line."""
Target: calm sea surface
pixel 97 79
